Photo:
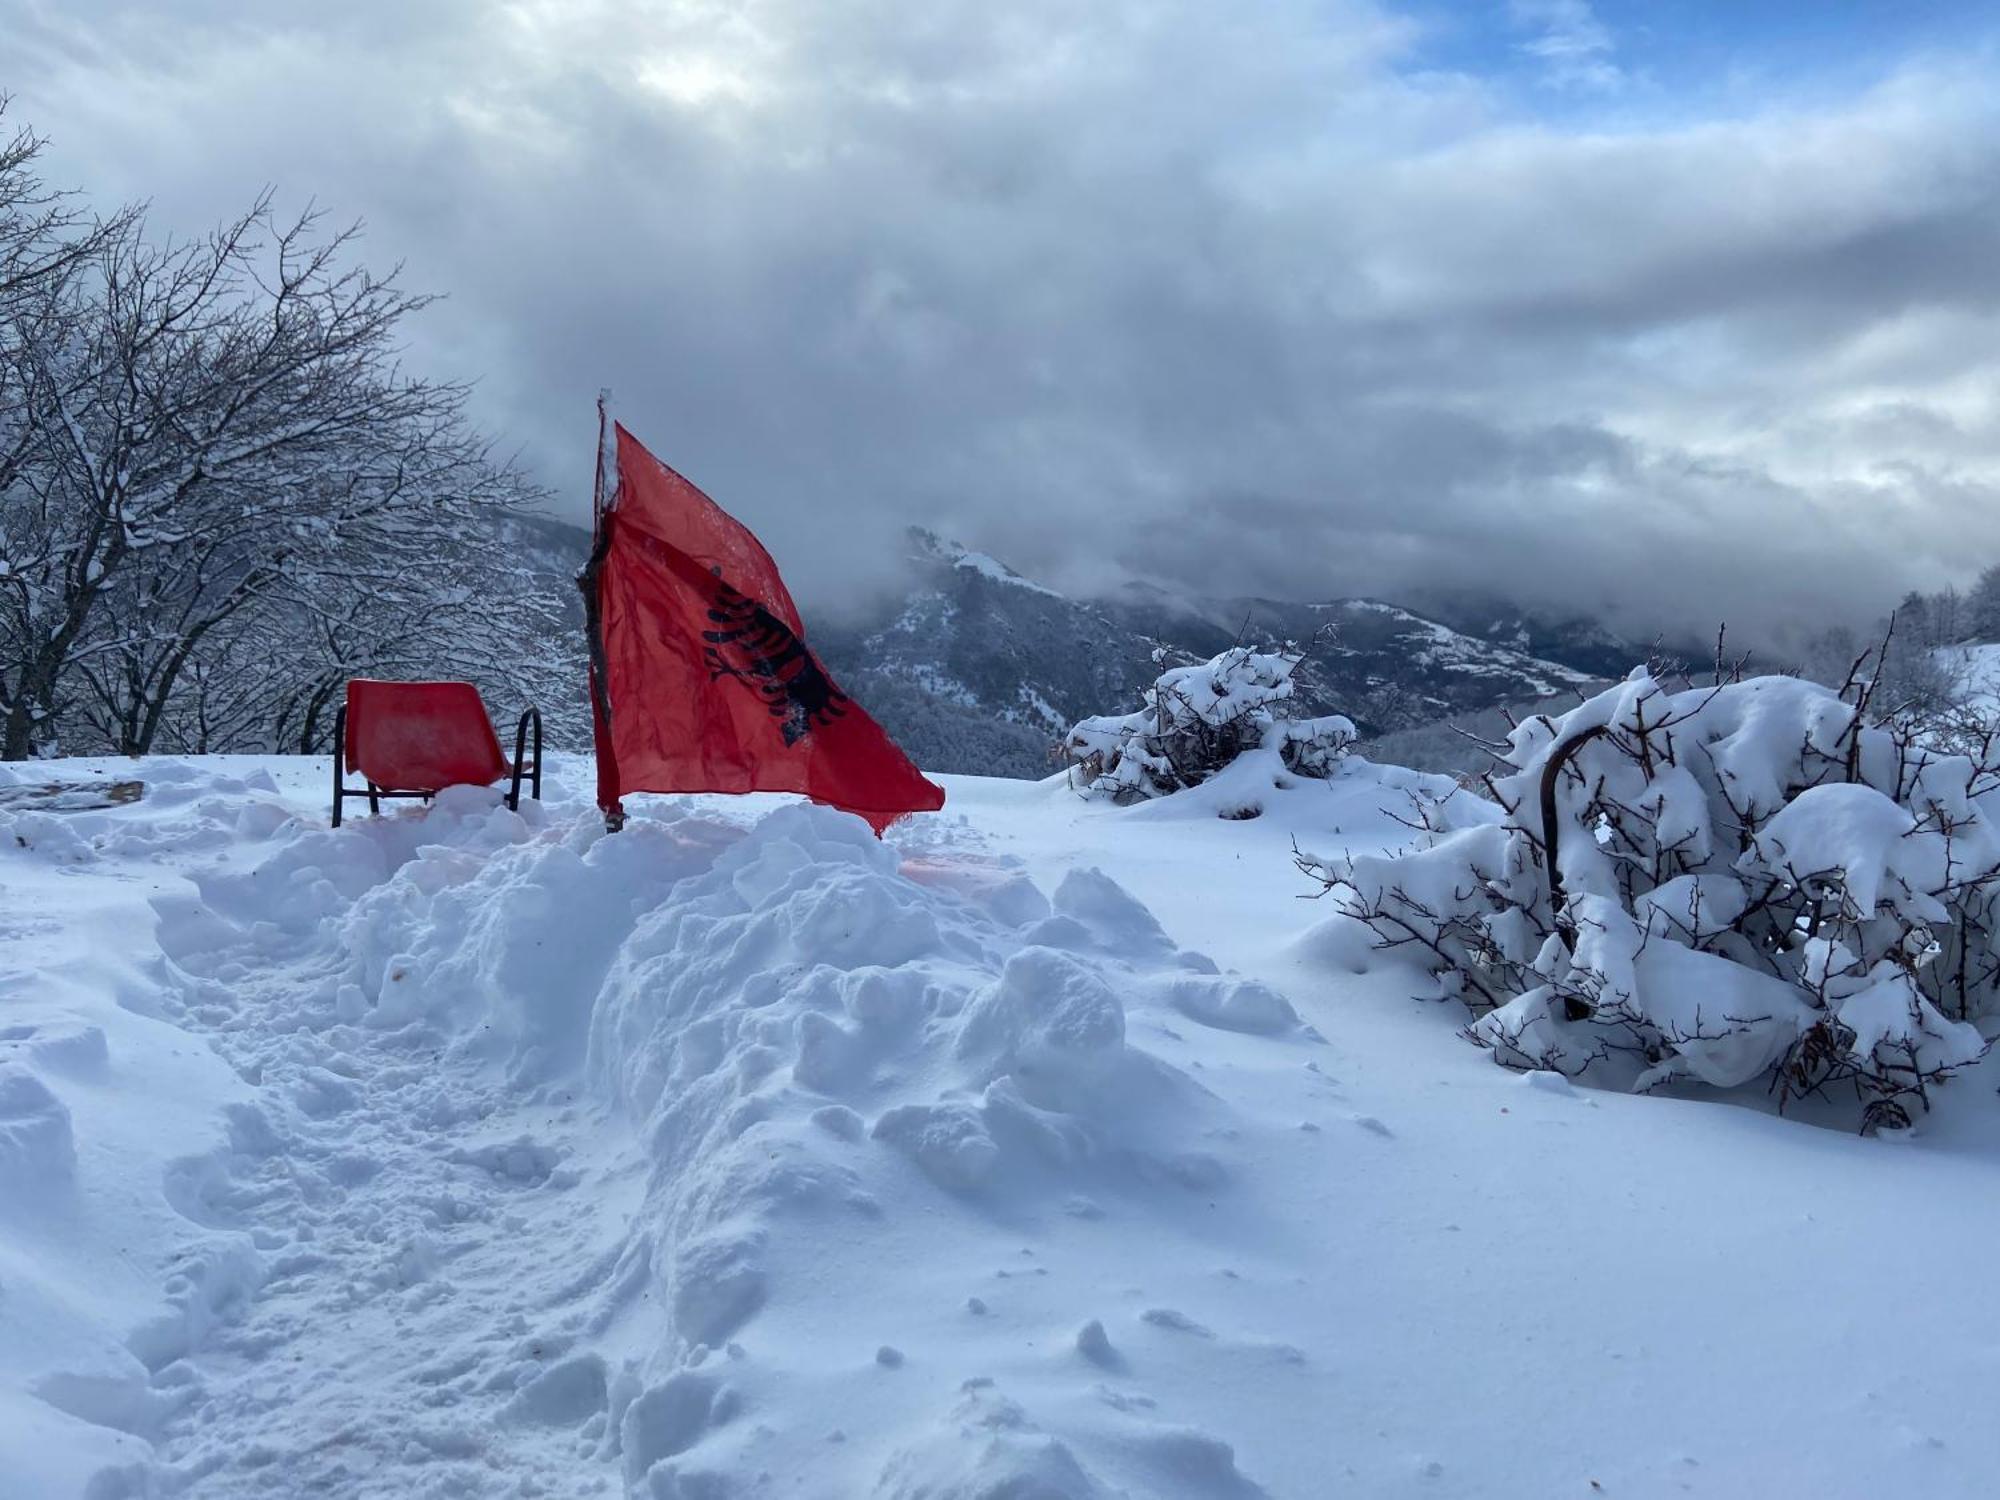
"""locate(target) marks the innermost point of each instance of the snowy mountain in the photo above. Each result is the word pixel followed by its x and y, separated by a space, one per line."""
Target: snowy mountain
pixel 1385 665
pixel 1575 640
pixel 977 669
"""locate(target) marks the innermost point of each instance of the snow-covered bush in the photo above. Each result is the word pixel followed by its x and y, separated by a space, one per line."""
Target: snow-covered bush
pixel 1197 720
pixel 1715 883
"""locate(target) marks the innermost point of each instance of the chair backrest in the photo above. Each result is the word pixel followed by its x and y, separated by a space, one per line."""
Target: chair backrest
pixel 420 736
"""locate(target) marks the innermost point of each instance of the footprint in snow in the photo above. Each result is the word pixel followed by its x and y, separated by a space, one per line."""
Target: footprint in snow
pixel 1179 1322
pixel 523 1161
pixel 1548 1081
pixel 1126 1401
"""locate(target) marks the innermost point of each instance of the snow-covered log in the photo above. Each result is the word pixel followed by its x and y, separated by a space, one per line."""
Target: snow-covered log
pixel 1717 884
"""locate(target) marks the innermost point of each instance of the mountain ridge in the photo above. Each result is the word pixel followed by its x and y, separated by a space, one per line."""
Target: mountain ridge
pixel 979 669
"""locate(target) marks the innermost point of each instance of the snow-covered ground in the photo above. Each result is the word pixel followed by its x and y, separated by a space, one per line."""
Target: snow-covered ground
pixel 1051 1149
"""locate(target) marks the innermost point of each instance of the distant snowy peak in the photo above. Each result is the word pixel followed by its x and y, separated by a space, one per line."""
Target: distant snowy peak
pixel 1440 646
pixel 1575 639
pixel 979 667
pixel 930 548
pixel 976 668
pixel 1375 629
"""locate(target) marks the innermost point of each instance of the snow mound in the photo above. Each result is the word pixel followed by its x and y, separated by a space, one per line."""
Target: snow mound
pixel 37 1153
pixel 805 1047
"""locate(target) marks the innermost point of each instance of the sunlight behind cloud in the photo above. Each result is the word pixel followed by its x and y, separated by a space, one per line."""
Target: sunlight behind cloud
pixel 694 80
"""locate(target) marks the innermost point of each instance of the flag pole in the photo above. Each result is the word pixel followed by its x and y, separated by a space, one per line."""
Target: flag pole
pixel 603 497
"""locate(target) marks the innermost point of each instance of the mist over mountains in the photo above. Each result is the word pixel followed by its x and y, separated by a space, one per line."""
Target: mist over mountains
pixel 978 669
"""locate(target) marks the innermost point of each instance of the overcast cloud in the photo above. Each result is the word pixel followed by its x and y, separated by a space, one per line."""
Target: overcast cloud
pixel 1251 297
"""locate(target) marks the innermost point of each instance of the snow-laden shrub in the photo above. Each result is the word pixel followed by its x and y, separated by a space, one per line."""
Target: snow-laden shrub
pixel 1197 720
pixel 1717 884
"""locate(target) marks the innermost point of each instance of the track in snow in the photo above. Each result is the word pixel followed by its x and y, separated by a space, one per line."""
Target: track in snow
pixel 421 1237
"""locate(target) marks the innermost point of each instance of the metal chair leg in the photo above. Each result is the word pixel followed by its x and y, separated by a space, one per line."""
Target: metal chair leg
pixel 339 755
pixel 530 717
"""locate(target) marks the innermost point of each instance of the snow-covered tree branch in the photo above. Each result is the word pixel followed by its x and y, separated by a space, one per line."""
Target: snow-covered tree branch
pixel 210 454
pixel 1721 883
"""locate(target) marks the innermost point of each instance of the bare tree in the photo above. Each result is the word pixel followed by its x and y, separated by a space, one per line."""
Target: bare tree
pixel 45 239
pixel 1982 606
pixel 215 473
pixel 271 680
pixel 43 232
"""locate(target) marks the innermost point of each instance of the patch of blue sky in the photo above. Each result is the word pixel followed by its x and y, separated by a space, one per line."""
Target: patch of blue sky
pixel 1649 59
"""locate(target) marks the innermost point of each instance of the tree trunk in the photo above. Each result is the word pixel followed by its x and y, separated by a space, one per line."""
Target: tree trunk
pixel 17 736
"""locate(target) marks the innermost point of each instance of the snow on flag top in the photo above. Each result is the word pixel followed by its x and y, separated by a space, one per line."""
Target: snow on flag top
pixel 700 677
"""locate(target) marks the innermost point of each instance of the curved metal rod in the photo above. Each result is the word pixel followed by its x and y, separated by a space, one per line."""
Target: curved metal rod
pixel 531 717
pixel 1551 773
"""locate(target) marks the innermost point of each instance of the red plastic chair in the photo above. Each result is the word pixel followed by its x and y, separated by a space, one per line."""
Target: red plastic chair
pixel 413 739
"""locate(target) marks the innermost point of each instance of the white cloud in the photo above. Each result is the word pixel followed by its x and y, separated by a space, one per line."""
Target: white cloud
pixel 1574 48
pixel 1218 291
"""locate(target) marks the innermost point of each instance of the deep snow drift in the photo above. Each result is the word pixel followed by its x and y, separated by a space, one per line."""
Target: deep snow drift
pixel 1047 1149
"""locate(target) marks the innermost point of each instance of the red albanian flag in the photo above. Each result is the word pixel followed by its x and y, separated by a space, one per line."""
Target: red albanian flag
pixel 700 677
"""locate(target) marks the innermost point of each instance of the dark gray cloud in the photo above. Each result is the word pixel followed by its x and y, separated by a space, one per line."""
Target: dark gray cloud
pixel 1224 294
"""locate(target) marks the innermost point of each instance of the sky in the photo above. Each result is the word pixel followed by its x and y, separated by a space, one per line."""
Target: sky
pixel 1675 312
